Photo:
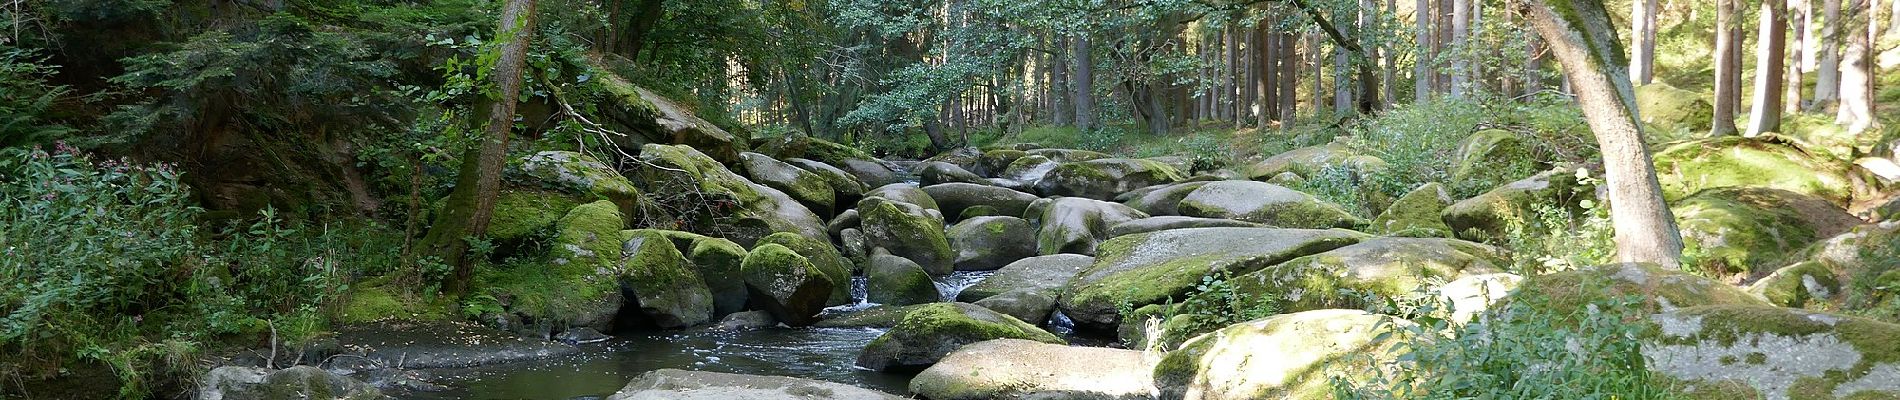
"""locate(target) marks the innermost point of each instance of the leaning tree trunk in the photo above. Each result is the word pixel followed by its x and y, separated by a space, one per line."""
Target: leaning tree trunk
pixel 1728 67
pixel 1580 35
pixel 1771 42
pixel 472 204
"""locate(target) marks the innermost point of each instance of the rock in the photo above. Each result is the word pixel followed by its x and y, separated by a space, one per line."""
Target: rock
pixel 1743 234
pixel 1023 369
pixel 1026 305
pixel 1473 295
pixel 880 317
pixel 1488 216
pixel 665 286
pixel 1066 155
pixel 808 188
pixel 678 125
pixel 953 198
pixel 1076 225
pixel 786 284
pixel 987 243
pixel 673 384
pixel 1842 275
pixel 294 383
pixel 845 188
pixel 433 345
pixel 1659 288
pixel 1266 203
pixel 935 172
pixel 822 256
pixel 870 170
pixel 1750 351
pixel 965 157
pixel 906 231
pixel 581 336
pixel 1046 275
pixel 1164 200
pixel 896 281
pixel 978 211
pixel 746 321
pixel 932 331
pixel 1768 161
pixel 1029 170
pixel 1493 157
pixel 1102 179
pixel 849 219
pixel 582 174
pixel 853 243
pixel 1416 214
pixel 1150 268
pixel 994 162
pixel 1667 109
pixel 1179 163
pixel 730 206
pixel 1152 224
pixel 587 266
pixel 1304 162
pixel 1390 268
pixel 718 261
pixel 520 214
pixel 905 193
pixel 1287 178
pixel 1287 356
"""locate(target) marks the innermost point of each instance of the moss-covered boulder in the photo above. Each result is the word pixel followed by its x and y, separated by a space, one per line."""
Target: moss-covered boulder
pixel 1076 225
pixel 1152 224
pixel 1288 356
pixel 1850 272
pixel 1659 289
pixel 522 214
pixel 665 287
pixel 1149 268
pixel 994 162
pixel 822 256
pixel 953 198
pixel 880 317
pixel 896 281
pixel 586 268
pixel 1416 214
pixel 1491 215
pixel 1493 157
pixel 868 169
pixel 582 174
pixel 981 211
pixel 295 383
pixel 849 219
pixel 1027 305
pixel 907 231
pixel 1308 162
pixel 937 172
pixel 1029 169
pixel 845 188
pixel 1347 277
pixel 1767 161
pixel 1800 285
pixel 932 331
pixel 1745 351
pixel 1666 109
pixel 719 202
pixel 1266 203
pixel 678 125
pixel 1024 369
pixel 808 188
pixel 1067 155
pixel 1742 234
pixel 988 243
pixel 1163 200
pixel 785 284
pixel 907 193
pixel 719 260
pixel 1103 179
pixel 1047 275
pixel 1473 295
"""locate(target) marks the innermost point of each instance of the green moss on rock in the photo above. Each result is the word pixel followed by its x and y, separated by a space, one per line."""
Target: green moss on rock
pixel 1783 353
pixel 725 204
pixel 822 256
pixel 1659 289
pixel 1747 232
pixel 1151 268
pixel 1671 111
pixel 1768 161
pixel 930 332
pixel 1417 210
pixel 1266 203
pixel 785 284
pixel 907 231
pixel 1289 356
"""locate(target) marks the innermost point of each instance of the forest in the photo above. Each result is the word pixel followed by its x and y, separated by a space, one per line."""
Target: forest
pixel 949 199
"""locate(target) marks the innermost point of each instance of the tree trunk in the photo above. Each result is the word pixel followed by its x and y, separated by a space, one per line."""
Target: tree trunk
pixel 1791 84
pixel 1827 74
pixel 1228 88
pixel 1857 70
pixel 1460 64
pixel 472 204
pixel 1265 84
pixel 1388 74
pixel 1728 67
pixel 1289 78
pixel 1585 43
pixel 1082 83
pixel 1062 113
pixel 1421 65
pixel 1643 33
pixel 1770 40
pixel 645 16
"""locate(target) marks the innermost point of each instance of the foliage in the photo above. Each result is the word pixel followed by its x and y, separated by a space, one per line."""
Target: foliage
pixel 27 100
pixel 1558 238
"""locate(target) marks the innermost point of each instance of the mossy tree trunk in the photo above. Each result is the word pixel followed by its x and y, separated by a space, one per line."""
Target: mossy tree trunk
pixel 478 183
pixel 1580 35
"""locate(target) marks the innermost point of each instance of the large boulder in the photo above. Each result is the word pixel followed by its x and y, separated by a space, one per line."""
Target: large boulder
pixel 718 202
pixel 1844 273
pixel 1066 155
pixel 1308 162
pixel 953 198
pixel 896 281
pixel 1492 157
pixel 1029 169
pixel 673 384
pixel 1415 214
pixel 786 284
pixel 717 260
pixel 808 188
pixel 846 189
pixel 1287 356
pixel 1043 274
pixel 1149 268
pixel 1658 288
pixel 1152 224
pixel 994 162
pixel 586 265
pixel 907 231
pixel 937 172
pixel 1163 200
pixel 1742 234
pixel 987 243
pixel 1761 352
pixel 1767 161
pixel 521 214
pixel 1491 215
pixel 1266 203
pixel 301 382
pixel 1023 369
pixel 966 158
pixel 822 256
pixel 932 331
pixel 1077 225
pixel 582 174
pixel 870 170
pixel 907 193
pixel 1103 179
pixel 1027 305
pixel 664 285
pixel 1667 109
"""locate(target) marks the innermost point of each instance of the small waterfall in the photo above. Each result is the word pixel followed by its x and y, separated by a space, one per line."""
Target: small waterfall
pixel 952 285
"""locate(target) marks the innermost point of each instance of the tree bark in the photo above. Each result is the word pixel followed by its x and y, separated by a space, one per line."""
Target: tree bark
pixel 1289 78
pixel 1643 33
pixel 1460 64
pixel 1421 67
pixel 1585 43
pixel 1082 83
pixel 1062 111
pixel 1857 70
pixel 1827 74
pixel 1804 47
pixel 1771 42
pixel 1388 75
pixel 1265 84
pixel 1728 67
pixel 478 183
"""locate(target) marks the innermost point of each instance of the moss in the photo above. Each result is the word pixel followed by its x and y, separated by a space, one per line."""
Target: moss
pixel 666 285
pixel 1492 157
pixel 1672 111
pixel 1416 210
pixel 1659 288
pixel 978 211
pixel 726 204
pixel 1798 285
pixel 1768 161
pixel 521 212
pixel 907 234
pixel 1749 231
pixel 1157 267
pixel 822 256
pixel 786 284
pixel 1822 354
pixel 930 331
pixel 582 174
pixel 373 300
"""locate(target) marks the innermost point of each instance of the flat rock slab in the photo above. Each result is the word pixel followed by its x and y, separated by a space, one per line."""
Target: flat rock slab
pixel 673 384
pixel 1024 369
pixel 413 345
pixel 1150 268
